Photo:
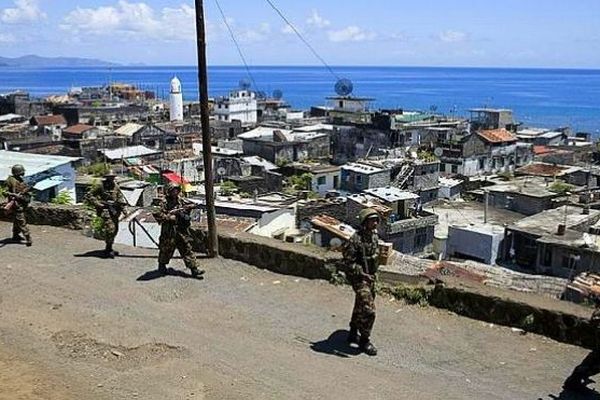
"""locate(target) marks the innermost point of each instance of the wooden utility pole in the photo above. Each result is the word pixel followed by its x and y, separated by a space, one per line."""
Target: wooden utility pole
pixel 213 244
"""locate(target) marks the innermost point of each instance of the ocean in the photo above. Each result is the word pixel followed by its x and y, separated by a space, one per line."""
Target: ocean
pixel 539 97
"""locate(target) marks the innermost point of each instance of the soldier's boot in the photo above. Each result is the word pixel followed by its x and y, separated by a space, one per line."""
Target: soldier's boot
pixel 352 335
pixel 28 241
pixel 196 273
pixel 108 251
pixel 16 237
pixel 367 347
pixel 162 269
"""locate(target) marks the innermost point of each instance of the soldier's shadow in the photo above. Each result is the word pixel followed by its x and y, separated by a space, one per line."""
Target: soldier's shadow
pixel 336 345
pixel 154 274
pixel 566 394
pixel 8 241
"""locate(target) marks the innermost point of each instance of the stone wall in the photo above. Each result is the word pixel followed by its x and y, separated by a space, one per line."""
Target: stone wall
pixel 284 258
pixel 71 217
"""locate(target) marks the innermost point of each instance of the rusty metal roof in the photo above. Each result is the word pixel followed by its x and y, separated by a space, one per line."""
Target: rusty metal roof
pixel 497 136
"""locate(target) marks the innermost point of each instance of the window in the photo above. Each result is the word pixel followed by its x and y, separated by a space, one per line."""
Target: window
pixel 341 104
pixel 321 180
pixel 442 167
pixel 358 179
pixel 548 256
pixel 420 238
pixel 336 182
pixel 455 169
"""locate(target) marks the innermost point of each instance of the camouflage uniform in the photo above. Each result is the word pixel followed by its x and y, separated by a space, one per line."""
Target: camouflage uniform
pixel 591 364
pixel 109 203
pixel 361 254
pixel 15 184
pixel 175 233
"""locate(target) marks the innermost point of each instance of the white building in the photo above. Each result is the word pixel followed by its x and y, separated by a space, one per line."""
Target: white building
pixel 240 105
pixel 176 100
pixel 49 175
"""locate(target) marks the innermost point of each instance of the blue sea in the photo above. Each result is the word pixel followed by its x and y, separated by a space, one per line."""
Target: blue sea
pixel 539 97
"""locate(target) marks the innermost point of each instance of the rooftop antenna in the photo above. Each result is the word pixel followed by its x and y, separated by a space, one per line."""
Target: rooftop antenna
pixel 344 87
pixel 245 84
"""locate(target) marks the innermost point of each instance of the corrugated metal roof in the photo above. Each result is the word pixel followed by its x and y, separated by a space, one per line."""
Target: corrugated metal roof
pixel 33 163
pixel 129 129
pixel 128 152
pixel 497 136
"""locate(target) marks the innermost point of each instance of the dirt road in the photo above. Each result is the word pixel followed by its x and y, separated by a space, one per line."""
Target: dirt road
pixel 73 326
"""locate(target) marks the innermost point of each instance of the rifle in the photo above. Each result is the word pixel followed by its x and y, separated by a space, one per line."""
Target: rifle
pixel 114 207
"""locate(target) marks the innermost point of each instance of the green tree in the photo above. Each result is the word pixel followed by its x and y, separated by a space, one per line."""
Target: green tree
pixel 227 188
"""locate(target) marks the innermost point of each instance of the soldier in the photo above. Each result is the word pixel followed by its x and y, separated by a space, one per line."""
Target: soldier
pixel 361 254
pixel 174 217
pixel 591 364
pixel 18 201
pixel 109 203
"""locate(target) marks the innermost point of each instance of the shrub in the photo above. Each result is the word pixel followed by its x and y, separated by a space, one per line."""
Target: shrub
pixel 561 187
pixel 63 198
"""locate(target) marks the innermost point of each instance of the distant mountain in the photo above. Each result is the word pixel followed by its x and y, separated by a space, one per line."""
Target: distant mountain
pixel 37 61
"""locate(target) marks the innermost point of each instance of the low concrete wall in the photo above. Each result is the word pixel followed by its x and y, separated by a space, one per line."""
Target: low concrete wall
pixel 284 258
pixel 70 217
pixel 560 320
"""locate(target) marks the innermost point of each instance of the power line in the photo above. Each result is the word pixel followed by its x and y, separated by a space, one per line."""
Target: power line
pixel 297 32
pixel 237 46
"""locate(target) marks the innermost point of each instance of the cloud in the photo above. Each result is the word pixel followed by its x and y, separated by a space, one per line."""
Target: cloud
pixel 351 34
pixel 25 11
pixel 7 38
pixel 450 36
pixel 287 30
pixel 133 20
pixel 317 21
pixel 249 35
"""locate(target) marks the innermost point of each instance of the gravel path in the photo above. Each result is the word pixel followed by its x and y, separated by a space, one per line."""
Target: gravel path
pixel 73 326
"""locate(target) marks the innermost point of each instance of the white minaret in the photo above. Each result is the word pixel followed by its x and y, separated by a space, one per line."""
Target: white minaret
pixel 176 112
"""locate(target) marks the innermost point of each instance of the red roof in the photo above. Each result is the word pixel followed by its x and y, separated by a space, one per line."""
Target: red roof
pixel 539 150
pixel 175 178
pixel 77 129
pixel 541 169
pixel 44 120
pixel 497 136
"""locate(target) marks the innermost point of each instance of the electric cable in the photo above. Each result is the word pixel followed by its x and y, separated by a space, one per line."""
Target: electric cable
pixel 303 39
pixel 237 45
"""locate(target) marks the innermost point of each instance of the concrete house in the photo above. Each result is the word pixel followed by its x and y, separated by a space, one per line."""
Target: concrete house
pixel 563 242
pixel 240 105
pixel 281 146
pixel 403 223
pixel 51 125
pixel 49 175
pixel 357 177
pixel 81 132
pixel 484 152
pixel 325 177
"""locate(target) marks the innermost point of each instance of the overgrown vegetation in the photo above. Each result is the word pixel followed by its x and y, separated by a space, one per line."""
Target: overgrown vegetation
pixel 410 294
pixel 561 187
pixel 97 169
pixel 227 188
pixel 63 198
pixel 426 156
pixel 3 192
pixel 301 182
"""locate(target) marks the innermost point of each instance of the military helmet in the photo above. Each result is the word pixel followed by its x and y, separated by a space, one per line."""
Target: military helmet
pixel 110 174
pixel 366 214
pixel 172 186
pixel 18 170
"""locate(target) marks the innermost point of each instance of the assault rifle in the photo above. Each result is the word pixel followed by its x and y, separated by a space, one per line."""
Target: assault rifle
pixel 114 207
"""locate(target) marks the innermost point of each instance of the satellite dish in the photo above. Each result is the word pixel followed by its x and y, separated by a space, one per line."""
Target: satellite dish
pixel 277 94
pixel 344 87
pixel 221 171
pixel 438 151
pixel 245 84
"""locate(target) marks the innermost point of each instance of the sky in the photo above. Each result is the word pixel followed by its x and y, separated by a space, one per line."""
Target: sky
pixel 475 33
